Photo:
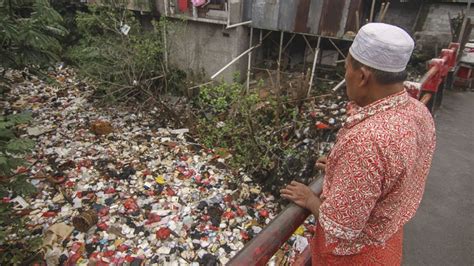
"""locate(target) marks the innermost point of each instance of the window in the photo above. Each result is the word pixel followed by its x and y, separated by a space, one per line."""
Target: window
pixel 213 10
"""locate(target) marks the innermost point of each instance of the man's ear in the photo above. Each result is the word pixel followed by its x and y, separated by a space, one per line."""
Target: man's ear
pixel 365 76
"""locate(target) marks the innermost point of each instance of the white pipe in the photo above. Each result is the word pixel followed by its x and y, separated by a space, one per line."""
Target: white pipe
pixel 239 24
pixel 207 20
pixel 244 53
pixel 280 50
pixel 234 60
pixel 166 7
pixel 339 85
pixel 313 72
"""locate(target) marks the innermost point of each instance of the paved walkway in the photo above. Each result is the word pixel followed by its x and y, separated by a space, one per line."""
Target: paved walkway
pixel 442 232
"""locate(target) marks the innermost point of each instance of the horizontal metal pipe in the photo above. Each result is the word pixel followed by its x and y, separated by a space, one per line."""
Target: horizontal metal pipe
pixel 207 20
pixel 240 56
pixel 234 60
pixel 428 75
pixel 239 24
pixel 339 85
pixel 261 248
pixel 426 98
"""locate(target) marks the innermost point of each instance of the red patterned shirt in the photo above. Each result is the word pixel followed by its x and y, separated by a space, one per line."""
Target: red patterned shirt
pixel 376 173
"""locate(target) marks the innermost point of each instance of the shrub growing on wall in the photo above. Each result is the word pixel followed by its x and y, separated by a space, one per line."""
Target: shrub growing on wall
pixel 115 51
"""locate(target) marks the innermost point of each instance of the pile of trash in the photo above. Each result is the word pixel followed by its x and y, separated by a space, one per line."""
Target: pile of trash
pixel 117 188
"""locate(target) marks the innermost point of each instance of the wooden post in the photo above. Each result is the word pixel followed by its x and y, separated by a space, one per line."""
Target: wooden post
pixel 313 71
pixel 249 64
pixel 165 43
pixel 464 22
pixel 371 19
pixel 357 21
pixel 384 11
pixel 278 85
pixel 381 12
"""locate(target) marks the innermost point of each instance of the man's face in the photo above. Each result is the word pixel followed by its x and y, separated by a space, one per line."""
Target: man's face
pixel 350 76
pixel 354 82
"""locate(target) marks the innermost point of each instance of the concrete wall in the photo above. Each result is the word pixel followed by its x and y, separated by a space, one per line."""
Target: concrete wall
pixel 432 32
pixel 402 14
pixel 437 19
pixel 206 47
pixel 435 32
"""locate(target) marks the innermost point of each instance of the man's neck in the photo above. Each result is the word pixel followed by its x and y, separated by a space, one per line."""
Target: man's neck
pixel 378 92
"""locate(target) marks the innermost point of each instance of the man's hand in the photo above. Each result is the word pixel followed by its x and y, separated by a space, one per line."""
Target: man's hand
pixel 302 196
pixel 321 163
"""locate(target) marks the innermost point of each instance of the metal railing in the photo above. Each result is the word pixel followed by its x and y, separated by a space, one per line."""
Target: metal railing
pixel 438 70
pixel 262 247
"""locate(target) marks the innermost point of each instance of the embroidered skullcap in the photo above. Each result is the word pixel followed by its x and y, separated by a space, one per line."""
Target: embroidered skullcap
pixel 382 46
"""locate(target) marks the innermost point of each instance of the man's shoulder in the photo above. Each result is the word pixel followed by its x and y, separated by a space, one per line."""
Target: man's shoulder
pixel 420 108
pixel 401 117
pixel 411 119
pixel 419 116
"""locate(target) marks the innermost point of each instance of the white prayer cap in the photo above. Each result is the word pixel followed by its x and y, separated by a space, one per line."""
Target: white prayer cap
pixel 382 46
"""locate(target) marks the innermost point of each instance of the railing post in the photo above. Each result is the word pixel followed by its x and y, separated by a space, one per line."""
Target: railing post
pixel 436 75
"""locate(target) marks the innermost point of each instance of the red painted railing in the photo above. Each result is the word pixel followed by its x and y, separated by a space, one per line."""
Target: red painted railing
pixel 438 69
pixel 262 247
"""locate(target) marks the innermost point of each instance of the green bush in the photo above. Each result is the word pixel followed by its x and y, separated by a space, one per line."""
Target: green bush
pixel 16 242
pixel 123 59
pixel 244 125
pixel 29 34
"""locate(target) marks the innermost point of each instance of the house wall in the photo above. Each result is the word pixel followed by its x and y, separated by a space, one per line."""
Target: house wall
pixel 402 14
pixel 206 48
pixel 432 31
pixel 435 32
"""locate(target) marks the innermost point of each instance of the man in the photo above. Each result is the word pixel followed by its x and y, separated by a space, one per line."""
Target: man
pixel 376 172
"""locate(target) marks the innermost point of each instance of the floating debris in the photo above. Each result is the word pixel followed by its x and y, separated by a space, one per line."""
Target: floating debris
pixel 101 128
pixel 125 190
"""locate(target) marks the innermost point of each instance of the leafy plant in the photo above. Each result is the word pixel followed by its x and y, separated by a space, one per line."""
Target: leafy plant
pixel 29 34
pixel 243 124
pixel 219 98
pixel 124 59
pixel 16 242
